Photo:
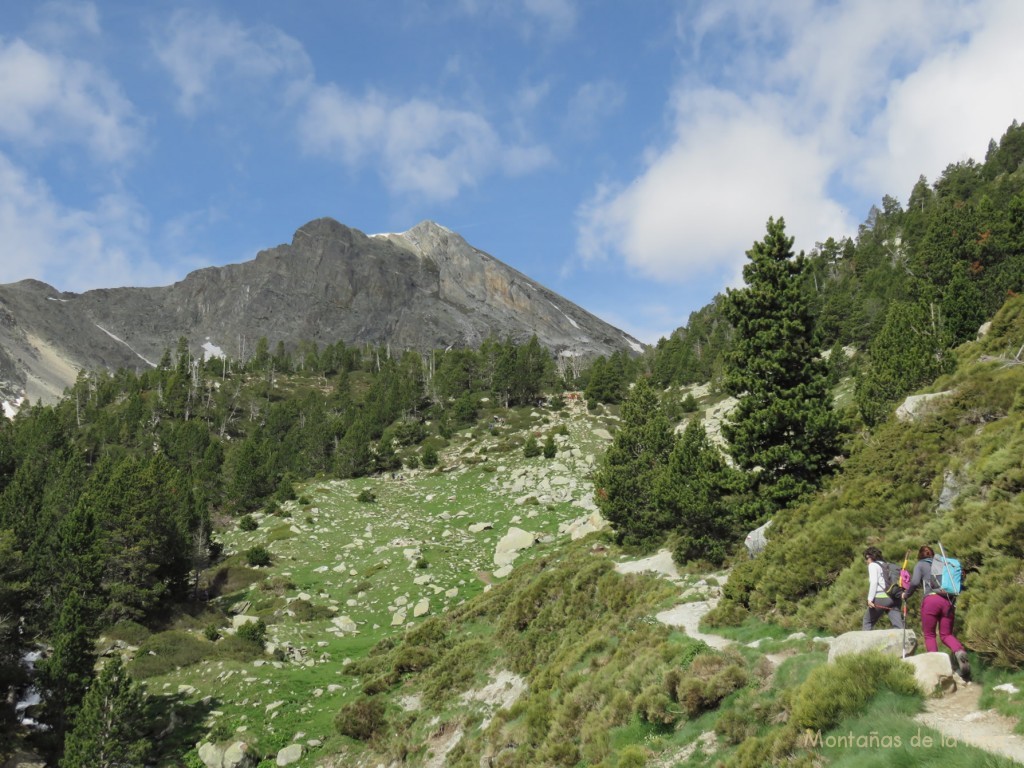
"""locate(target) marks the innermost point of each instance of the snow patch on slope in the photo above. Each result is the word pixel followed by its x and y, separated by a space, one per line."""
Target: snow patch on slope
pixel 211 350
pixel 571 321
pixel 11 407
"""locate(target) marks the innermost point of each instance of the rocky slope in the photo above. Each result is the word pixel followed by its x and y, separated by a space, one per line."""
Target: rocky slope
pixel 422 289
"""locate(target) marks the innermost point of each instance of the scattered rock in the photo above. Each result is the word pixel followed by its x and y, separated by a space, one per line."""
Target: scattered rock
pixel 477 527
pixel 290 754
pixel 422 607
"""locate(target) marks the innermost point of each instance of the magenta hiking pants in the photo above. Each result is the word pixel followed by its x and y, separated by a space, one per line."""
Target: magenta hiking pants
pixel 938 611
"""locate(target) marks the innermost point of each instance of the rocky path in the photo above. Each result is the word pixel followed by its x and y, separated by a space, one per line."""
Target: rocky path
pixel 959 719
pixel 703 596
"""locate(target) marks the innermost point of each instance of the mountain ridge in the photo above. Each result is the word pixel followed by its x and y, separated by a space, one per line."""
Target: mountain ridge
pixel 422 289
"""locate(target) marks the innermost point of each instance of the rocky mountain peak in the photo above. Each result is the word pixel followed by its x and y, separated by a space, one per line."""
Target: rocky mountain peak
pixel 426 288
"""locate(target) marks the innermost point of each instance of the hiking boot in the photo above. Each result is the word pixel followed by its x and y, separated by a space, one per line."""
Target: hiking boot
pixel 964 664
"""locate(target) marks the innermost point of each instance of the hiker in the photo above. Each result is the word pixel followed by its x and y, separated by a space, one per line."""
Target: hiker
pixel 878 601
pixel 937 610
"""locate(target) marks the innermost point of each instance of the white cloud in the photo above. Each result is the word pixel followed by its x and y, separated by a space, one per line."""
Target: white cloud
pixel 951 106
pixel 702 202
pixel 780 106
pixel 48 99
pixel 418 146
pixel 70 248
pixel 206 55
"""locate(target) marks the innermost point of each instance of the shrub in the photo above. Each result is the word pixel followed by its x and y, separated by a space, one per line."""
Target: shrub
pixel 735 725
pixel 307 611
pixel 713 676
pixel 654 705
pixel 549 447
pixel 362 719
pixel 366 496
pixel 689 403
pixel 413 658
pixel 257 556
pixel 166 652
pixel 129 631
pixel 212 633
pixel 412 461
pixel 254 632
pixel 381 684
pixel 248 523
pixel 836 691
pixel 633 756
pixel 430 458
pixel 531 448
pixel 995 621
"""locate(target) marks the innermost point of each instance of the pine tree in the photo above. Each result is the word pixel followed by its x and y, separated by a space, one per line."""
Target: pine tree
pixel 65 674
pixel 908 352
pixel 109 731
pixel 628 474
pixel 783 431
pixel 692 495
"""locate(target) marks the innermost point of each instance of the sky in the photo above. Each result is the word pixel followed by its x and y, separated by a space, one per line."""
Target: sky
pixel 625 154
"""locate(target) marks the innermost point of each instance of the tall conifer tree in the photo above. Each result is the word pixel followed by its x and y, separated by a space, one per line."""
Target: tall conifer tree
pixel 109 730
pixel 783 431
pixel 627 478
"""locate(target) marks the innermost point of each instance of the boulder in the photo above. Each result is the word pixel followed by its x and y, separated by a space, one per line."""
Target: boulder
pixel 933 672
pixel 290 754
pixel 583 526
pixel 242 619
pixel 511 544
pixel 345 625
pixel 237 755
pixel 889 641
pixel 211 755
pixel 917 405
pixel 757 539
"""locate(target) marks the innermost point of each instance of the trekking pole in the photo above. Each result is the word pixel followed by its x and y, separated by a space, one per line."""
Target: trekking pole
pixel 903 646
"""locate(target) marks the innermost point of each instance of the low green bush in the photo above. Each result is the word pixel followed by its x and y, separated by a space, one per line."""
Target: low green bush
pixel 167 651
pixel 413 658
pixel 254 632
pixel 841 689
pixel 363 719
pixel 258 556
pixel 366 496
pixel 128 631
pixel 248 523
pixel 995 619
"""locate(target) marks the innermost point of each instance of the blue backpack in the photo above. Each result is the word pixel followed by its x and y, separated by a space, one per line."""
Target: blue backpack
pixel 946 575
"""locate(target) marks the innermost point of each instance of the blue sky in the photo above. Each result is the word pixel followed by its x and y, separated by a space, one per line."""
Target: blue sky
pixel 624 154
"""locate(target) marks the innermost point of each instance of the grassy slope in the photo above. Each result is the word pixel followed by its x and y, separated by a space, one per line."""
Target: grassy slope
pixel 603 683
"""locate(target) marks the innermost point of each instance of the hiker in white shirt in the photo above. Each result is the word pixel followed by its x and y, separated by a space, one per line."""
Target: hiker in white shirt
pixel 879 602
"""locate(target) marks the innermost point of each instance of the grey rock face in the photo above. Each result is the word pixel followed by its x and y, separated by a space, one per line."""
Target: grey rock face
pixel 422 289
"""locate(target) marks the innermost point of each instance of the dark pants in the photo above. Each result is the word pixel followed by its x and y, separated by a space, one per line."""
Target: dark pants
pixel 886 605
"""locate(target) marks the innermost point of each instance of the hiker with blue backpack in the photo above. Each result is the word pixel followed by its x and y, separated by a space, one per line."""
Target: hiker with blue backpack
pixel 940 577
pixel 884 591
